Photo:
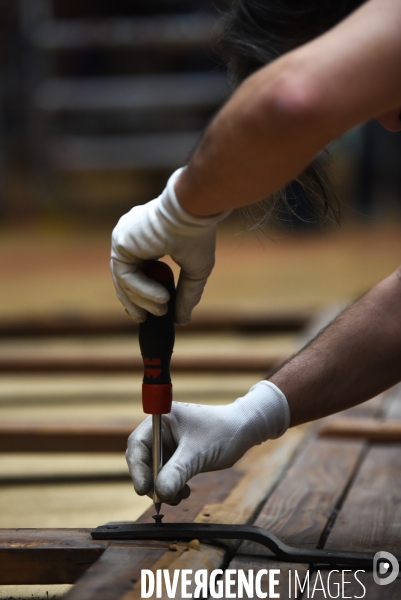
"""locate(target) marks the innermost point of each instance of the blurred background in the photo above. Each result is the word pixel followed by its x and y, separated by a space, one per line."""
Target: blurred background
pixel 99 103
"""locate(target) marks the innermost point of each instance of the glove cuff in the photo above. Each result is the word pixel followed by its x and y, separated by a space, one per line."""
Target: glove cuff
pixel 171 206
pixel 269 409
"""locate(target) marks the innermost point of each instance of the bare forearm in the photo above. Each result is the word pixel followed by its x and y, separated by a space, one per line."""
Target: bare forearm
pixel 254 146
pixel 285 113
pixel 352 360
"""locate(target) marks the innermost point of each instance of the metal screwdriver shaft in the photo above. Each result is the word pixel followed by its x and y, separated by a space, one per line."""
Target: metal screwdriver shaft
pixel 157 456
pixel 156 340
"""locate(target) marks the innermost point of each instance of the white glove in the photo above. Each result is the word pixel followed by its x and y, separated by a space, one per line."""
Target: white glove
pixel 199 438
pixel 151 231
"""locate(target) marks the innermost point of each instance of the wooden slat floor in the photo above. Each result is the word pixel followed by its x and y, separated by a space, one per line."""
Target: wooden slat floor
pixel 331 493
pixel 338 494
pixel 192 353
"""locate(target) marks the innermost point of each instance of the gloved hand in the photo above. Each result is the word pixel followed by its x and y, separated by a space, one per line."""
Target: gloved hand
pixel 199 438
pixel 151 231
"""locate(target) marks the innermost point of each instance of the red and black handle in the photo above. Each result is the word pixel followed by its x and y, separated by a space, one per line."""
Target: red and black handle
pixel 156 341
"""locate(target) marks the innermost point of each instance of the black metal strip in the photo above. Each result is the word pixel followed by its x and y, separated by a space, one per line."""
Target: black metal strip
pixel 210 531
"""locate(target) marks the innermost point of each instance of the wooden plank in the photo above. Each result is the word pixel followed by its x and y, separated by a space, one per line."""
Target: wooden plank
pixel 263 466
pixel 368 429
pixel 61 437
pixel 118 575
pixel 72 398
pixel 114 574
pixel 36 556
pixel 369 517
pixel 203 557
pixel 369 421
pixel 51 556
pixel 317 478
pixel 300 508
pixel 123 364
pixel 76 324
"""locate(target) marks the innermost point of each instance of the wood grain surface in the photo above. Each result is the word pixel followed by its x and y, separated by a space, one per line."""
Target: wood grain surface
pixel 114 574
pixel 370 520
pixel 304 505
pixel 34 556
pixel 62 437
pixel 367 429
pixel 371 515
pixel 86 324
pixel 122 364
pixel 300 508
pixel 263 466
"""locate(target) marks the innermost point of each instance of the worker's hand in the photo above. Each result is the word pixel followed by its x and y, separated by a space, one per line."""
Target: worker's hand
pixel 150 231
pixel 199 438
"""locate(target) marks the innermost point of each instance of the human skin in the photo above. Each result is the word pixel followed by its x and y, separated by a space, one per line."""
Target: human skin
pixel 266 134
pixel 283 115
pixel 353 359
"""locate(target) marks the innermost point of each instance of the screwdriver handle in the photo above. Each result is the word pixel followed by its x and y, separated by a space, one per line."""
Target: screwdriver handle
pixel 156 341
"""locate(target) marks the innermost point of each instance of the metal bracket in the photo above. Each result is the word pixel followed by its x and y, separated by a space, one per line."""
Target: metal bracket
pixel 211 531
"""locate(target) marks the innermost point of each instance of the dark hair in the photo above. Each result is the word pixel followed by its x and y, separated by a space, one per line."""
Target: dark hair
pixel 255 33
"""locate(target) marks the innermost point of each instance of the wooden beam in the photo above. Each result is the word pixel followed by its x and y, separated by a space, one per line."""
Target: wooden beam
pixel 116 571
pixel 51 556
pixel 317 478
pixel 95 326
pixel 63 555
pixel 36 556
pixel 368 429
pixel 61 437
pixel 122 364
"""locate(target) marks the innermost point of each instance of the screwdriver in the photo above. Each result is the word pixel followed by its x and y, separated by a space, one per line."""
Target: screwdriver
pixel 156 341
